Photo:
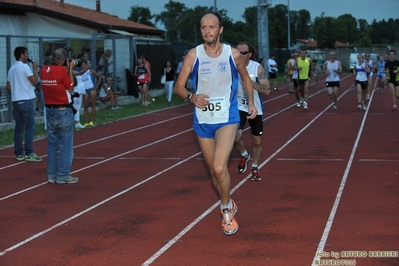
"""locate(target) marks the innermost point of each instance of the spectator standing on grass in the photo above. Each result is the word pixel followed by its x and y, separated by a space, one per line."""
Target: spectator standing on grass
pixel 214 68
pixel 361 81
pixel 21 81
pixel 169 72
pixel 332 68
pixel 57 83
pixel 260 86
pixel 272 68
pixel 392 71
pixel 143 75
pixel 92 81
pixel 77 102
pixel 107 94
pixel 147 63
pixel 104 61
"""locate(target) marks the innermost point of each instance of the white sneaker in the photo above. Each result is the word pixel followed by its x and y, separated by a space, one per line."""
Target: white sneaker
pixel 364 106
pixel 305 106
pixel 79 126
pixel 334 107
pixel 298 104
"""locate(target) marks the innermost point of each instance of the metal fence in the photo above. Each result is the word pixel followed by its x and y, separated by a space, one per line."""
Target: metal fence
pixel 126 50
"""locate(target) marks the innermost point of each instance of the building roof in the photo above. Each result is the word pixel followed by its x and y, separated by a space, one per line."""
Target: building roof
pixel 80 15
pixel 310 43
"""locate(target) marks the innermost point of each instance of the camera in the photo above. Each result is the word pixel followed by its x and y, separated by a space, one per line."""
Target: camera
pixel 77 62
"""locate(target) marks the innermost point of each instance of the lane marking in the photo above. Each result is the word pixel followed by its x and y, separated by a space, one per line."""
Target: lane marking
pixel 216 204
pixel 331 217
pixel 309 159
pixel 152 177
pixel 97 163
pixel 377 160
pixel 94 206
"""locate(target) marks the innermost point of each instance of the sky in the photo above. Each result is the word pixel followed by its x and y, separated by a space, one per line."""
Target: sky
pixel 366 9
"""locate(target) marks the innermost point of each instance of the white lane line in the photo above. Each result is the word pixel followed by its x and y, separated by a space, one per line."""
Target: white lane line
pixel 94 206
pixel 326 232
pixel 144 181
pixel 103 161
pixel 309 159
pixel 377 160
pixel 216 204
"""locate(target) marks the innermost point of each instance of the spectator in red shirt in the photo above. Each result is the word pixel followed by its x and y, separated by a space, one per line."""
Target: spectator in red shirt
pixel 57 85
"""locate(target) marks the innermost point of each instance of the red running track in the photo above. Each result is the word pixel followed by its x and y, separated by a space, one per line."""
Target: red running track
pixel 329 186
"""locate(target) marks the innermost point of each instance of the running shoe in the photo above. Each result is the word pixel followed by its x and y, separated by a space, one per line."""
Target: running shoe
pixel 20 157
pixel 33 158
pixel 242 165
pixel 79 126
pixel 229 223
pixel 298 104
pixel 364 106
pixel 393 108
pixel 86 125
pixel 334 107
pixel 51 181
pixel 91 124
pixel 68 180
pixel 255 174
pixel 368 97
pixel 305 106
pixel 359 106
pixel 275 89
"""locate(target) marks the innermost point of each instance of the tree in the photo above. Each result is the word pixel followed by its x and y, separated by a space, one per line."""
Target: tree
pixel 170 19
pixel 350 31
pixel 141 15
pixel 324 30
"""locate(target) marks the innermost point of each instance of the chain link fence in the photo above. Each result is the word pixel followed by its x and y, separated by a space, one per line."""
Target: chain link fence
pixel 126 49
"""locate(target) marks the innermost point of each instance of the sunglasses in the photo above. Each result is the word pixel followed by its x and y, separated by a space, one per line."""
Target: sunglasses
pixel 244 52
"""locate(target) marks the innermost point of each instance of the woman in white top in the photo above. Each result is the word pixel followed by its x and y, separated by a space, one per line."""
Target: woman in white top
pixel 106 94
pixel 361 69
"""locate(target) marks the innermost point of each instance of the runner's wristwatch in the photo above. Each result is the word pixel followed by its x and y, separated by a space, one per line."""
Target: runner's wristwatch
pixel 189 96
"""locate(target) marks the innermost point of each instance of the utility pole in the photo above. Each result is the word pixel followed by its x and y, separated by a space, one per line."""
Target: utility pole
pixel 289 25
pixel 263 29
pixel 215 6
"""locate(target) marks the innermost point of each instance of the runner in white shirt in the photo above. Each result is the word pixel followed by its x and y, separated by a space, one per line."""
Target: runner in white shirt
pixel 260 86
pixel 214 68
pixel 332 68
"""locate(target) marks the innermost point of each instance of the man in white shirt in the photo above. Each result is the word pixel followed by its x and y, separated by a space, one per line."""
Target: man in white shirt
pixel 21 81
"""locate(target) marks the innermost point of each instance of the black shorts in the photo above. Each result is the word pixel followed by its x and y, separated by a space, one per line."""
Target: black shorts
pixel 256 124
pixel 363 84
pixel 301 82
pixel 272 75
pixel 295 81
pixel 331 84
pixel 395 83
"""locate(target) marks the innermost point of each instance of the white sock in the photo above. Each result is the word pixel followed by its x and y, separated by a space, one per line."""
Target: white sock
pixel 244 154
pixel 228 206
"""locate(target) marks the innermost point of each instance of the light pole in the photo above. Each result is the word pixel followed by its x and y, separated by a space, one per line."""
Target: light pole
pixel 214 6
pixel 289 25
pixel 263 29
